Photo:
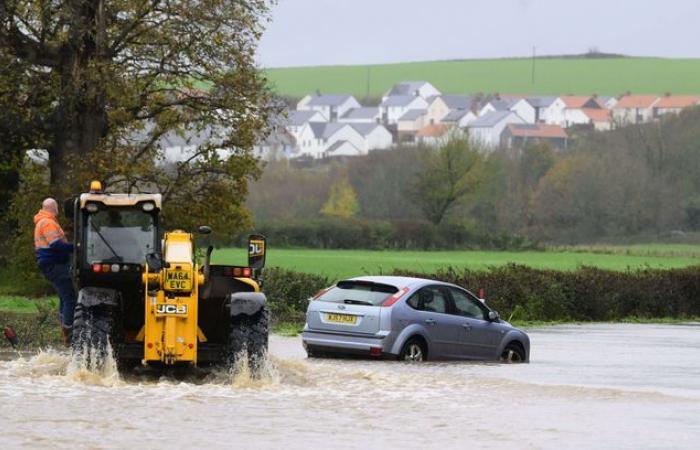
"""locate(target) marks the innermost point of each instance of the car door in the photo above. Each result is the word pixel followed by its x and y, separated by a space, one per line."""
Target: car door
pixel 480 337
pixel 431 310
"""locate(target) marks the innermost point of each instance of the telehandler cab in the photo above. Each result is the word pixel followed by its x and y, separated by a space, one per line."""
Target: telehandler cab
pixel 142 293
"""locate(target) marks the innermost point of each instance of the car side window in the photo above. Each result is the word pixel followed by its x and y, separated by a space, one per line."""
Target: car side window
pixel 467 306
pixel 429 299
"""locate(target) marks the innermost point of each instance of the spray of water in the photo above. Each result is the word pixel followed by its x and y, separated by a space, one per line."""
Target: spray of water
pixel 254 372
pixel 94 366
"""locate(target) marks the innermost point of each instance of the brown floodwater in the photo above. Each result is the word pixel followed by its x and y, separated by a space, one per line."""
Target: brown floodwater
pixel 590 386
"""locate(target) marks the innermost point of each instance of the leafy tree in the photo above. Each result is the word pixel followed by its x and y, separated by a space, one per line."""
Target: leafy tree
pixel 342 201
pixel 108 79
pixel 452 172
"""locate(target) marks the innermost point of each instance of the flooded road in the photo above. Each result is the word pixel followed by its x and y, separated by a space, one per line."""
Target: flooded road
pixel 593 386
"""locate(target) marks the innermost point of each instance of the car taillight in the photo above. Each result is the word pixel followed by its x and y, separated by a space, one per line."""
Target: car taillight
pixel 394 298
pixel 97 268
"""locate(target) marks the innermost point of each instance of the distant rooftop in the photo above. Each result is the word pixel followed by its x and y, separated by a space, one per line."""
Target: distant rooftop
pixel 361 113
pixel 399 100
pixel 537 130
pixel 298 118
pixel 329 99
pixel 413 114
pixel 407 88
pixel 490 119
pixel 365 128
pixel 455 115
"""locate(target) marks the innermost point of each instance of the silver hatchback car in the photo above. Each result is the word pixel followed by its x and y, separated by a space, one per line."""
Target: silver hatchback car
pixel 411 319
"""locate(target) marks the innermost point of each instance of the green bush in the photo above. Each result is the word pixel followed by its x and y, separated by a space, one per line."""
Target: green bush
pixel 288 293
pixel 587 294
pixel 377 234
pixel 522 293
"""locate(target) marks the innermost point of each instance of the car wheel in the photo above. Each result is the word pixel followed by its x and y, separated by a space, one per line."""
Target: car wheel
pixel 414 351
pixel 513 354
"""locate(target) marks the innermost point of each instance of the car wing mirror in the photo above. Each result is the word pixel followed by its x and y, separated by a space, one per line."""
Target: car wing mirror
pixel 493 316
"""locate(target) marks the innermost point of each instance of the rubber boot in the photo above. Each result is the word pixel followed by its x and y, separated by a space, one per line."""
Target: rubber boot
pixel 67 334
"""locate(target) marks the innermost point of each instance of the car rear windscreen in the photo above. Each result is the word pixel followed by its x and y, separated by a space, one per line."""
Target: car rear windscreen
pixel 358 292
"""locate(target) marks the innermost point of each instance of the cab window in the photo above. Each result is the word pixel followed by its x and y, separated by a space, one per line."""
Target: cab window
pixel 468 306
pixel 429 299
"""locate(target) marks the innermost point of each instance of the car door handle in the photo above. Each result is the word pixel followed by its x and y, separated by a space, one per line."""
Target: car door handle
pixel 466 326
pixel 430 321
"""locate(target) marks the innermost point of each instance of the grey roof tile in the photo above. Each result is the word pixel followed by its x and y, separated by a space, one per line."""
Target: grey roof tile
pixel 361 113
pixel 490 119
pixel 329 99
pixel 413 114
pixel 399 100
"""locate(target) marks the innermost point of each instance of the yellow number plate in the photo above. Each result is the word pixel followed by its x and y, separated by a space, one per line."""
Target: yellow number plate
pixel 178 280
pixel 341 318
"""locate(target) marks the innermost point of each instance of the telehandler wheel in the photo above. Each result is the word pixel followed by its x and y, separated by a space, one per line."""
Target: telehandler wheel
pixel 248 334
pixel 92 328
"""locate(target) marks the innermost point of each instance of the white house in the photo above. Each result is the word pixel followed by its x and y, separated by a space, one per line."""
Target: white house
pixel 494 104
pixel 413 88
pixel 331 106
pixel 486 130
pixel 673 104
pixel 541 105
pixel 459 118
pixel 376 137
pixel 441 105
pixel 395 106
pixel 327 134
pixel 361 115
pixel 554 113
pixel 519 105
pixel 342 148
pixel 306 142
pixel 433 134
pixel 524 109
pixel 577 110
pixel 279 144
pixel 298 125
pixel 632 109
pixel 410 123
pixel 297 119
pixel 605 101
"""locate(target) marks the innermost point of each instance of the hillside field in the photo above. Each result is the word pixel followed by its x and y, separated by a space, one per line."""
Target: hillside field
pixel 346 263
pixel 585 76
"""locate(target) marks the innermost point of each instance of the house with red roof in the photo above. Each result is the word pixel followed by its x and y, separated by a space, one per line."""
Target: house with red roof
pixel 518 135
pixel 631 109
pixel 567 110
pixel 673 104
pixel 434 134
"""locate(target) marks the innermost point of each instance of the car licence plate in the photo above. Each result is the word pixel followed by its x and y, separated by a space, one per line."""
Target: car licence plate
pixel 341 318
pixel 178 280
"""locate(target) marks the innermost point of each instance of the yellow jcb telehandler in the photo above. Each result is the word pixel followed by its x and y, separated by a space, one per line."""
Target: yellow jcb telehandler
pixel 143 294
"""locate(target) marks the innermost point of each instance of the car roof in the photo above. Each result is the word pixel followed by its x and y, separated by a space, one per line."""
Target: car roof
pixel 399 282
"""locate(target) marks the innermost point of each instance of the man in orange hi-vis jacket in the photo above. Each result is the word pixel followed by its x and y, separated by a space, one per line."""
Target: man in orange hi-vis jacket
pixel 53 255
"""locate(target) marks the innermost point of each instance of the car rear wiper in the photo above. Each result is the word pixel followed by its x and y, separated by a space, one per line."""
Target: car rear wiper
pixel 357 302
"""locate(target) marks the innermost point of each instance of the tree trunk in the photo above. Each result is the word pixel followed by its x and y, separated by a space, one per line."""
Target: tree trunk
pixel 81 118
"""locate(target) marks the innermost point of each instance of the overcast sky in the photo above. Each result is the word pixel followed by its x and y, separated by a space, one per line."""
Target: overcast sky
pixel 320 32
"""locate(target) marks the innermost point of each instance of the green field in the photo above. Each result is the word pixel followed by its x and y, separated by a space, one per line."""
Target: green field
pixel 345 263
pixel 607 76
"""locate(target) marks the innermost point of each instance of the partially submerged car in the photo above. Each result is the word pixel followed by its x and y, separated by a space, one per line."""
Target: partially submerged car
pixel 411 319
